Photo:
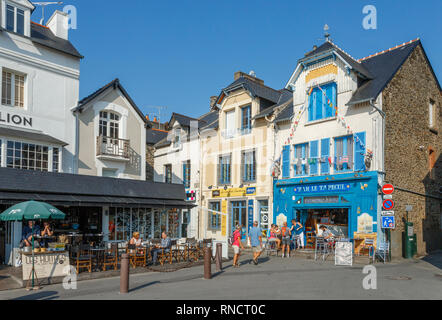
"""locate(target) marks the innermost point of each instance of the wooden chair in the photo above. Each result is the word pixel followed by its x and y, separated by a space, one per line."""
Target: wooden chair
pixel 166 254
pixel 111 257
pixel 192 249
pixel 82 257
pixel 177 251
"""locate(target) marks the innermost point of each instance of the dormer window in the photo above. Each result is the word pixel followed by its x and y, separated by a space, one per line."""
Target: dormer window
pixel 177 138
pixel 15 19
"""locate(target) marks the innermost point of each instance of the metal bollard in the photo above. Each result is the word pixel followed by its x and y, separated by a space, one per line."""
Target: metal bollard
pixel 219 256
pixel 124 273
pixel 207 263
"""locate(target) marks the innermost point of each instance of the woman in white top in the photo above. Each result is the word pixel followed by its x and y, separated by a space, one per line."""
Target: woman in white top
pixel 136 240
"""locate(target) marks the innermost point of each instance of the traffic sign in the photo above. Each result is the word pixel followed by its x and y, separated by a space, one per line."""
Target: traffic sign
pixel 388 204
pixel 387 196
pixel 387 213
pixel 387 188
pixel 388 222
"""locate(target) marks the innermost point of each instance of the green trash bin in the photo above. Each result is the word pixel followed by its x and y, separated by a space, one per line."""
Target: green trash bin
pixel 409 244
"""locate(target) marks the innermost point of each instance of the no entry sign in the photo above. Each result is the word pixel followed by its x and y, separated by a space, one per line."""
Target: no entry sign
pixel 388 204
pixel 387 188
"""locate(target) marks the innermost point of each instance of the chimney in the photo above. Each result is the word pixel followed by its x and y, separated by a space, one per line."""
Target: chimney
pixel 240 74
pixel 155 119
pixel 213 100
pixel 147 117
pixel 58 23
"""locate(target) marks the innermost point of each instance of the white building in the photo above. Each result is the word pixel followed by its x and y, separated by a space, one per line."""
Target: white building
pixel 178 159
pixel 40 72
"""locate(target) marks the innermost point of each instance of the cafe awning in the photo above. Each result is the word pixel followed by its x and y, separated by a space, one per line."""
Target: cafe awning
pixel 79 190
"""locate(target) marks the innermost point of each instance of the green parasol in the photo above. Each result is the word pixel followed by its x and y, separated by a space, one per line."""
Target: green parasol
pixel 32 210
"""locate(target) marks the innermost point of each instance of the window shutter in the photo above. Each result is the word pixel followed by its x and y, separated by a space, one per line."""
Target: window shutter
pixel 329 92
pixel 311 100
pixel 325 153
pixel 318 104
pixel 286 162
pixel 359 151
pixel 253 166
pixel 243 166
pixel 219 170
pixel 314 157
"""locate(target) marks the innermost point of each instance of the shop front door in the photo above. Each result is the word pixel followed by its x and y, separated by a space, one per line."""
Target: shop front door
pixel 239 215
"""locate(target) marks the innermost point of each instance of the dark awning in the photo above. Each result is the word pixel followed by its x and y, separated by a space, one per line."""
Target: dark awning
pixel 90 201
pixel 30 134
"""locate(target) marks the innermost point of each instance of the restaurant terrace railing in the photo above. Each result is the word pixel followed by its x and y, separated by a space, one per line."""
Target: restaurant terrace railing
pixel 107 146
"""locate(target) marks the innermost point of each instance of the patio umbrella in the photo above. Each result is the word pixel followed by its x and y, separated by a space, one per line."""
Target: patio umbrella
pixel 32 210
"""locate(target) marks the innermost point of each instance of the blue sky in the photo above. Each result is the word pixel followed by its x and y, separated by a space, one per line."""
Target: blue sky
pixel 179 53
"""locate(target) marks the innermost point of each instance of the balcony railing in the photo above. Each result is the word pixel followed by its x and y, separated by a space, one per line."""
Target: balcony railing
pixel 107 146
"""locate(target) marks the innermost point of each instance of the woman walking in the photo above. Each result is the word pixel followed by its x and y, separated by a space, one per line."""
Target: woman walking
pixel 236 244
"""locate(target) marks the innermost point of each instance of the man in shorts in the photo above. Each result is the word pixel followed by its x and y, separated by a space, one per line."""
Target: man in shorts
pixel 255 236
pixel 285 232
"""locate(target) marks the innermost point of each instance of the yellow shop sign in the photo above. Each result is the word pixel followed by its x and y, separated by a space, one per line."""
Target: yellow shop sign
pixel 234 192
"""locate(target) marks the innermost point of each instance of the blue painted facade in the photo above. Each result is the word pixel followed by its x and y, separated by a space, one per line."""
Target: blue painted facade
pixel 357 191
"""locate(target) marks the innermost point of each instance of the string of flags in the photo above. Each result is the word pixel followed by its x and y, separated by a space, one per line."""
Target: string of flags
pixel 295 123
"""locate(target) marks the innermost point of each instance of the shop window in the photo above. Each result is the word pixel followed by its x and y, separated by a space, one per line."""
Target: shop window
pixel 28 156
pixel 168 173
pixel 186 174
pixel 213 217
pixel 185 223
pixel 248 166
pixel 286 161
pixel 246 120
pixel 322 102
pixel 224 169
pixel 344 154
pixel 173 223
pixel 301 166
pixel 13 89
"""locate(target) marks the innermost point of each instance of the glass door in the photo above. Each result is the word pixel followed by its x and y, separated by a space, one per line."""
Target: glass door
pixel 239 214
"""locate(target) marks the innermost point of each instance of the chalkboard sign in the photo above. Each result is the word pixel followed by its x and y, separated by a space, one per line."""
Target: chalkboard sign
pixel 343 254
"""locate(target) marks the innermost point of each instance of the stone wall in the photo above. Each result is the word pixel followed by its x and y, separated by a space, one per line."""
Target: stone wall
pixel 149 162
pixel 408 139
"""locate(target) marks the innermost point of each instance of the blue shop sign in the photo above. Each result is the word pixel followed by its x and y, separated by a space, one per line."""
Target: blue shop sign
pixel 251 190
pixel 324 187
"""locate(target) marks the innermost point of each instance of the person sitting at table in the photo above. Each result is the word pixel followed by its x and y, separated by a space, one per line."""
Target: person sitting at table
pixel 326 234
pixel 46 232
pixel 28 231
pixel 273 236
pixel 136 240
pixel 165 245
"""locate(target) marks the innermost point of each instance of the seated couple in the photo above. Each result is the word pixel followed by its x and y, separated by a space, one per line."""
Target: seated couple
pixel 164 245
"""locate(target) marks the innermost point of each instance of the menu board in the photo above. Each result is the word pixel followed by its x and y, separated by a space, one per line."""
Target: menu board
pixel 343 254
pixel 46 265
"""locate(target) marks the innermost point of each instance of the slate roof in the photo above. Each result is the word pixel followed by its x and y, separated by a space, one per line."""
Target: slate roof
pixel 256 89
pixel 285 96
pixel 286 113
pixel 44 36
pixel 80 188
pixel 329 46
pixel 183 120
pixel 154 135
pixel 113 84
pixel 383 66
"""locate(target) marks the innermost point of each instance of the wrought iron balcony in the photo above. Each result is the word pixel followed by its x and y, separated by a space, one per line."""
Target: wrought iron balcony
pixel 113 147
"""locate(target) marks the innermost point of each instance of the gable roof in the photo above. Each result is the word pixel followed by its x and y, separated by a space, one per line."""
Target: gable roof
pixel 285 96
pixel 114 84
pixel 183 120
pixel 384 66
pixel 255 89
pixel 44 36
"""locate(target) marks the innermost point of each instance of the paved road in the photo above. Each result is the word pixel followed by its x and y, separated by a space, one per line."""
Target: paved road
pixel 274 278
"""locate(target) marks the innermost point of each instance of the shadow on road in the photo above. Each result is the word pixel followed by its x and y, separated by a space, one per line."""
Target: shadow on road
pixel 44 295
pixel 144 286
pixel 434 259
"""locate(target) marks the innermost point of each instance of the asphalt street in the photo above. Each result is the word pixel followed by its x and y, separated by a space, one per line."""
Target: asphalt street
pixel 274 278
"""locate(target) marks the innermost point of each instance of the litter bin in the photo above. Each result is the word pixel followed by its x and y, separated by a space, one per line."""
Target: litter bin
pixel 409 243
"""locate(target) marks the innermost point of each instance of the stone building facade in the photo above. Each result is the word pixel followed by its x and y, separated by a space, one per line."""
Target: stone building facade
pixel 413 160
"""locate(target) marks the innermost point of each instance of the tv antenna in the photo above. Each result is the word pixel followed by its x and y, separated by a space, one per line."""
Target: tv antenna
pixel 159 108
pixel 43 5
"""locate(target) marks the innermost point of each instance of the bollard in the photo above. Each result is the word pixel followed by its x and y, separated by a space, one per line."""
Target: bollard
pixel 219 256
pixel 207 263
pixel 124 273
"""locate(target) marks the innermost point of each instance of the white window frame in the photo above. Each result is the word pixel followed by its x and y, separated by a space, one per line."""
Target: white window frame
pixel 25 17
pixel 15 73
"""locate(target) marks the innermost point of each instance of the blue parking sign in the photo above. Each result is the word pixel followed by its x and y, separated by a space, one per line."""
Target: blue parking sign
pixel 388 222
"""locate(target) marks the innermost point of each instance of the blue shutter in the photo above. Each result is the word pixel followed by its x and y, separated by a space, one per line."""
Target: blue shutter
pixel 311 100
pixel 329 93
pixel 318 104
pixel 303 155
pixel 314 155
pixel 334 99
pixel 286 162
pixel 359 151
pixel 325 153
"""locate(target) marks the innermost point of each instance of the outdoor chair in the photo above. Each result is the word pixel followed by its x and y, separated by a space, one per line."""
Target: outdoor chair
pixel 192 249
pixel 271 247
pixel 166 254
pixel 321 248
pixel 137 256
pixel 82 257
pixel 111 257
pixel 382 252
pixel 369 246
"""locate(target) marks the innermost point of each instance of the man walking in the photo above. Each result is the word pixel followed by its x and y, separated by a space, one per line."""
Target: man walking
pixel 255 236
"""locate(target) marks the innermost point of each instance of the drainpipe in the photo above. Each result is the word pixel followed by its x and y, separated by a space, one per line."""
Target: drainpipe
pixel 77 147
